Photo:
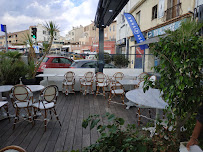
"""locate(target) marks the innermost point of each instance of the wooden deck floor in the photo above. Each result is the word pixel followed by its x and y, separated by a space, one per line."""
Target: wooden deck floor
pixel 72 109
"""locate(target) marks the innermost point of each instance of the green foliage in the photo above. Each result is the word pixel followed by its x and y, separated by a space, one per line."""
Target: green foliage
pixel 11 68
pixel 180 55
pixel 107 57
pixel 114 137
pixel 120 61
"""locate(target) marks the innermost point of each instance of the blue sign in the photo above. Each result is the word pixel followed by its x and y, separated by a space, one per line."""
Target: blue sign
pixel 3 28
pixel 135 29
pixel 160 31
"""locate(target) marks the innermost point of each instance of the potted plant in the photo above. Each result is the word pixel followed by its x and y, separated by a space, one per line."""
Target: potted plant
pixel 12 68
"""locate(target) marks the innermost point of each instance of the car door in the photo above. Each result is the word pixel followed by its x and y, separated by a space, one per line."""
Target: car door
pixel 65 63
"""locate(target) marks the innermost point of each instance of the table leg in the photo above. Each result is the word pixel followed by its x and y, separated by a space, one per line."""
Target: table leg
pixel 0 96
pixel 47 81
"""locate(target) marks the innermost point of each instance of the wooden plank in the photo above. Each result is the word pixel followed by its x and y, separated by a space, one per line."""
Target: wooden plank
pixel 71 129
pixel 86 132
pixel 65 124
pixel 57 129
pixel 78 133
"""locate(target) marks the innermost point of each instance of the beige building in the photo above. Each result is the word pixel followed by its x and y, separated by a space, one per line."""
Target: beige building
pixel 153 18
pixel 75 34
pixel 16 38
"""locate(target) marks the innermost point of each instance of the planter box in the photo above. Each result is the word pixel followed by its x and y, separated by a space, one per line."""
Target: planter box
pixel 26 81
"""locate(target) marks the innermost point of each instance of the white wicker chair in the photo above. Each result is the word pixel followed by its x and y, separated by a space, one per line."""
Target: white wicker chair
pixel 69 80
pixel 87 82
pixel 101 82
pixel 47 102
pixel 22 98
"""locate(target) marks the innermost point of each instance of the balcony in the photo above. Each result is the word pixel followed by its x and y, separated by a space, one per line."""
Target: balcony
pixel 173 12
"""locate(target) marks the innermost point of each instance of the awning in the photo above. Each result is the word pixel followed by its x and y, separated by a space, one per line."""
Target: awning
pixel 152 40
pixel 148 41
pixel 107 10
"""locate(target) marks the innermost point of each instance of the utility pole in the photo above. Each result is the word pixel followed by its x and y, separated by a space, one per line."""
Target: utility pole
pixel 3 29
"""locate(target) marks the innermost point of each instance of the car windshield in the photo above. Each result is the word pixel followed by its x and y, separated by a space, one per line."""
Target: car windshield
pixel 74 63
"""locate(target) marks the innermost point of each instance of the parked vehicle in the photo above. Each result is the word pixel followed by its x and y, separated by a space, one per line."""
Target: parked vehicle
pixel 75 56
pixel 55 62
pixel 90 64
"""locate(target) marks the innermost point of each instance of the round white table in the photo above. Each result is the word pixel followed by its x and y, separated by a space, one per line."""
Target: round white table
pixel 151 98
pixel 4 88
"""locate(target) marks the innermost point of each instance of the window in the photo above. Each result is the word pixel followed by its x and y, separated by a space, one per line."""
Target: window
pixel 56 60
pixel 64 60
pixel 110 28
pixel 154 12
pixel 44 32
pixel 89 65
pixel 114 28
pixel 138 18
pixel 72 33
pixel 173 9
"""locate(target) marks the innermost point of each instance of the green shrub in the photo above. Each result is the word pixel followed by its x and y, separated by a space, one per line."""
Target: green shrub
pixel 120 61
pixel 12 68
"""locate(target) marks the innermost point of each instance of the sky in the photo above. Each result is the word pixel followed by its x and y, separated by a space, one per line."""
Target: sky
pixel 18 15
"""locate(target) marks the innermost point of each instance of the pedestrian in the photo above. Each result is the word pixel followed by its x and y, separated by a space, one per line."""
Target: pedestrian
pixel 197 130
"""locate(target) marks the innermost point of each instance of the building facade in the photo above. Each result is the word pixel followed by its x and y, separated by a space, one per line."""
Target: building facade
pixel 16 38
pixel 153 18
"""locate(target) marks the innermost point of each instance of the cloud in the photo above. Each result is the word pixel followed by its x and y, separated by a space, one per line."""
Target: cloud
pixel 19 15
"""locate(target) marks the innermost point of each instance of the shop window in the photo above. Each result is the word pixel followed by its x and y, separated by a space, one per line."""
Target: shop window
pixel 154 12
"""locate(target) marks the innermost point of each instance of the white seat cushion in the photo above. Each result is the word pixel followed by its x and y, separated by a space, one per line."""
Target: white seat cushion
pixel 23 104
pixel 102 84
pixel 86 83
pixel 67 83
pixel 117 91
pixel 40 105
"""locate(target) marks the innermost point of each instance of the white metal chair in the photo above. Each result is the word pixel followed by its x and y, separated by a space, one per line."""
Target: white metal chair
pixel 69 80
pixel 47 102
pixel 101 82
pixel 87 82
pixel 22 98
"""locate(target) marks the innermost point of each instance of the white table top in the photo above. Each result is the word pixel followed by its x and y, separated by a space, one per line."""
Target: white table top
pixel 151 98
pixel 128 82
pixel 35 88
pixel 133 75
pixel 46 75
pixel 5 88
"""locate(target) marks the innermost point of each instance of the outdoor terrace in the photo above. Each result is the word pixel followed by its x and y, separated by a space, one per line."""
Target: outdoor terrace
pixel 72 109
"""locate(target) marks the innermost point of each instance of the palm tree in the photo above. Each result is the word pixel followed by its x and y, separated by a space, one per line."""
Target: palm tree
pixel 31 53
pixel 51 28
